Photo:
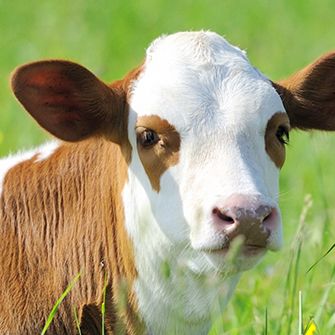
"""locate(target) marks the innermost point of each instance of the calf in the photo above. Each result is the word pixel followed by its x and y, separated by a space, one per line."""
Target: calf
pixel 153 178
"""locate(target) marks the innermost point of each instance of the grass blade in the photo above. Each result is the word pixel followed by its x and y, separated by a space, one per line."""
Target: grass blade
pixel 293 270
pixel 103 307
pixel 324 298
pixel 266 322
pixel 76 320
pixel 300 322
pixel 58 302
pixel 321 258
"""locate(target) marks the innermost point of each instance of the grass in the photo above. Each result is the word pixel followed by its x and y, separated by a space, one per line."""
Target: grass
pixel 58 302
pixel 110 38
pixel 103 306
pixel 76 319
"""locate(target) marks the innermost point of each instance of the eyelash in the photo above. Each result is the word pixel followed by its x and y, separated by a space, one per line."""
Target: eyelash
pixel 148 138
pixel 282 135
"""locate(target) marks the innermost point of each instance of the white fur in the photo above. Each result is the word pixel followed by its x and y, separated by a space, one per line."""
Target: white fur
pixel 220 105
pixel 42 152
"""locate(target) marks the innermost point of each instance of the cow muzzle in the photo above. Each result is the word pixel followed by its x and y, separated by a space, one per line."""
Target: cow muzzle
pixel 254 220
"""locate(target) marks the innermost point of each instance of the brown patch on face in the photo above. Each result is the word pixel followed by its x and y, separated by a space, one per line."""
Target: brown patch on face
pixel 273 146
pixel 157 158
pixel 125 84
pixel 123 87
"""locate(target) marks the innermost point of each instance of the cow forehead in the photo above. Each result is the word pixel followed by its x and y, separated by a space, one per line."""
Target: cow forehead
pixel 197 79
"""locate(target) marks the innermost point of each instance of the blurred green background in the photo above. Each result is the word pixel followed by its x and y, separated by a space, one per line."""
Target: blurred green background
pixel 110 38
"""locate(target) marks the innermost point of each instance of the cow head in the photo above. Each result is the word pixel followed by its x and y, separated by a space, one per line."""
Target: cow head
pixel 207 133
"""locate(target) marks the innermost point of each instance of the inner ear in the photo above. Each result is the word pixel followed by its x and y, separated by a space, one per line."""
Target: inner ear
pixel 66 99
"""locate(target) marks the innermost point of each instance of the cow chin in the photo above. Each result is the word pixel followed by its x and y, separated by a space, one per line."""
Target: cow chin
pixel 226 259
pixel 223 261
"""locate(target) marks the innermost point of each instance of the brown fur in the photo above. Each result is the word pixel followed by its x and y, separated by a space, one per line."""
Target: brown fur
pixel 309 95
pixel 273 147
pixel 59 217
pixel 157 159
pixel 64 215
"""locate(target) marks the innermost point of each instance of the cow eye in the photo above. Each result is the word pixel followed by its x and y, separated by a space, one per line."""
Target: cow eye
pixel 147 138
pixel 283 135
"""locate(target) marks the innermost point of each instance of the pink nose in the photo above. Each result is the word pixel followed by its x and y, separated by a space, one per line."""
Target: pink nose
pixel 247 216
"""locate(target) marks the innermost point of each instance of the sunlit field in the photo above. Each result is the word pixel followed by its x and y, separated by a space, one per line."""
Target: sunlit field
pixel 110 38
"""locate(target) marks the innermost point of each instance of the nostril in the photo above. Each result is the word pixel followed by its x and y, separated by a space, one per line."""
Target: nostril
pixel 267 217
pixel 270 218
pixel 222 216
pixel 266 213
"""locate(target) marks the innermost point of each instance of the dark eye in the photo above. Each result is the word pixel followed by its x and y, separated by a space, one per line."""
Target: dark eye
pixel 282 135
pixel 148 138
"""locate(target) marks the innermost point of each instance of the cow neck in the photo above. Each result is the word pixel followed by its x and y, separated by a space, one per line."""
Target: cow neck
pixel 66 214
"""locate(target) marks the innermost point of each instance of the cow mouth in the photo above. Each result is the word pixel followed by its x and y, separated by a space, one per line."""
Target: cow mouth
pixel 253 250
pixel 247 250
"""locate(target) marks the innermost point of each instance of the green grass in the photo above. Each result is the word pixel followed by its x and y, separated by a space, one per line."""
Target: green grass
pixel 110 38
pixel 77 321
pixel 58 302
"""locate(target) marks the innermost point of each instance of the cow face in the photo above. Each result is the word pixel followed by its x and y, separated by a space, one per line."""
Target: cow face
pixel 208 132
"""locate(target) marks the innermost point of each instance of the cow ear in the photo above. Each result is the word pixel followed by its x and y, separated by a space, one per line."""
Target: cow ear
pixel 67 100
pixel 309 95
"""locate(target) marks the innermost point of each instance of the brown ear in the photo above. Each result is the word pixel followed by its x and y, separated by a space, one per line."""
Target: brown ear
pixel 309 95
pixel 67 100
